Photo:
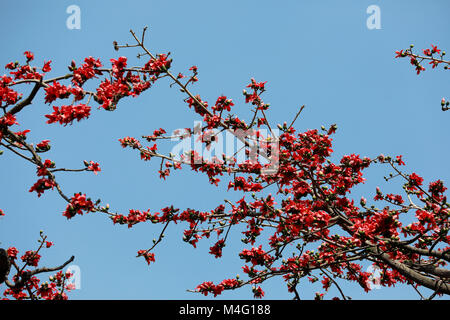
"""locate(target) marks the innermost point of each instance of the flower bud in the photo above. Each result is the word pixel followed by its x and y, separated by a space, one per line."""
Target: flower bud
pixel 72 66
pixel 363 201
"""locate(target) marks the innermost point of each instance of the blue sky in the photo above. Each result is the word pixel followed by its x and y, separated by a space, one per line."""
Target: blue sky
pixel 317 53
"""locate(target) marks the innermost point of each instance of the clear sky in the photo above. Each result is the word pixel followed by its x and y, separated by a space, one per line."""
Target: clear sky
pixel 317 53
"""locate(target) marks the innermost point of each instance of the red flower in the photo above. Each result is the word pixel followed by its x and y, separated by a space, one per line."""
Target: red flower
pixel 399 161
pixel 11 66
pixel 157 66
pixel 109 93
pixel 198 104
pixel 12 252
pixel 130 142
pixel 46 290
pixel 43 146
pixel 209 287
pixel 43 184
pixel 7 95
pixel 223 103
pixel 434 49
pixel 8 120
pixel 56 91
pixel 26 72
pixel 437 189
pixel 94 166
pixel 427 52
pixel 149 257
pixel 87 71
pixel 435 63
pixel 419 68
pixel 78 204
pixel 256 85
pixel 42 170
pixel 67 114
pixel 326 283
pixel 46 67
pixel 118 66
pixel 31 258
pixel 400 54
pixel 22 134
pixel 415 180
pixel 156 134
pixel 257 256
pixel 230 283
pixel 78 92
pixel 258 292
pixel 29 55
pixel 216 250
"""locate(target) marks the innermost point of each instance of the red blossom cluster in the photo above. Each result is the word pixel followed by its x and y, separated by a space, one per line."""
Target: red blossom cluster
pixel 42 184
pixel 31 258
pixel 6 121
pixel 92 166
pixel 158 65
pixel 223 103
pixel 26 72
pixel 130 142
pixel 78 204
pixel 56 91
pixel 43 146
pixel 25 284
pixel 433 55
pixel 309 203
pixel 314 194
pixel 67 114
pixel 7 95
pixel 209 287
pixel 47 182
pixel 148 256
pixel 88 70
